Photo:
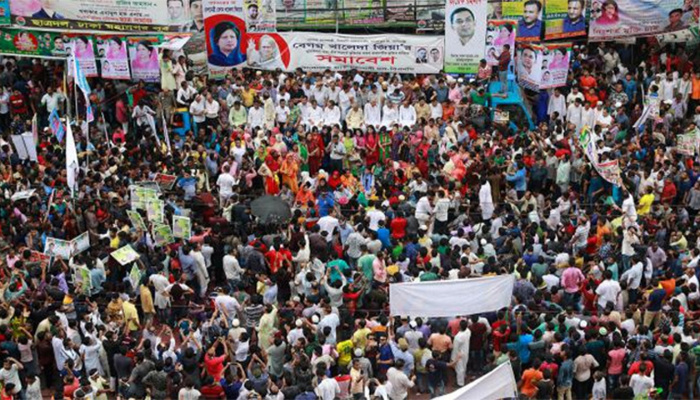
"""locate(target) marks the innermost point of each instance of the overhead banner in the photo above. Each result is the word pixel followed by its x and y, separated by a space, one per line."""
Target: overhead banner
pixel 564 19
pixel 33 43
pixel 143 55
pixel 498 34
pixel 615 19
pixel 260 16
pixel 529 16
pixel 543 66
pixel 318 52
pixel 498 384
pixel 114 62
pixel 447 299
pixel 465 35
pixel 104 15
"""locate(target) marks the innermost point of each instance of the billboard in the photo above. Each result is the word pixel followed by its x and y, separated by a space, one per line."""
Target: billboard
pixel 498 34
pixel 543 66
pixel 465 35
pixel 114 62
pixel 564 19
pixel 616 19
pixel 528 13
pixel 107 15
pixel 319 51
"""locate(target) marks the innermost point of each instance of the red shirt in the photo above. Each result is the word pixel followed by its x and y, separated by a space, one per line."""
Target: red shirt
pixel 398 228
pixel 214 366
pixel 214 391
pixel 17 104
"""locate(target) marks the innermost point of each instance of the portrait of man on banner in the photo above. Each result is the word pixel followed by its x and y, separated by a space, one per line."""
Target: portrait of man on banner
pixel 463 23
pixel 530 24
pixel 574 20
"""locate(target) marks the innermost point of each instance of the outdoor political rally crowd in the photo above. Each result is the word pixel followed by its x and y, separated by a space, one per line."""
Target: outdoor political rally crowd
pixel 388 179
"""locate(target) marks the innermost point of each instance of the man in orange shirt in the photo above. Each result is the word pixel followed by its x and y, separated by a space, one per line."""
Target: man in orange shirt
pixel 587 81
pixel 529 380
pixel 695 92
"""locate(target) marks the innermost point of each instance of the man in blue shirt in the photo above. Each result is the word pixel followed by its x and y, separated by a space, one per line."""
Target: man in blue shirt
pixel 530 26
pixel 574 21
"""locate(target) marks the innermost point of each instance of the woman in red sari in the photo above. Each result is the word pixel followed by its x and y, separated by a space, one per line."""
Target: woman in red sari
pixel 316 151
pixel 421 157
pixel 372 145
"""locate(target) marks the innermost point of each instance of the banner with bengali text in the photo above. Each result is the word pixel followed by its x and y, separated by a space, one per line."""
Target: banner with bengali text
pixel 465 35
pixel 103 15
pixel 615 19
pixel 417 54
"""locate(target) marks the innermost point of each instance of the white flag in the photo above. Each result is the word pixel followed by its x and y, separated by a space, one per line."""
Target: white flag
pixel 71 159
pixel 497 384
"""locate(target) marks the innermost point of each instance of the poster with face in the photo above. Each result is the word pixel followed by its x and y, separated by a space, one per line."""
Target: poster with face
pixel 529 66
pixel 82 48
pixel 144 59
pixel 564 18
pixel 529 16
pixel 498 34
pixel 114 62
pixel 465 35
pixel 182 227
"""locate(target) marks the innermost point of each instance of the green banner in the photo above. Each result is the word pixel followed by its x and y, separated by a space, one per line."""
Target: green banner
pixel 27 42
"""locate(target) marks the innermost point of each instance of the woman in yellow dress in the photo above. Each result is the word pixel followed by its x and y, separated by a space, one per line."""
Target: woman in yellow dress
pixel 289 171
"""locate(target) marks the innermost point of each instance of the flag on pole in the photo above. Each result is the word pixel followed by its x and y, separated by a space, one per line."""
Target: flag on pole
pixel 81 80
pixel 90 116
pixel 71 160
pixel 167 136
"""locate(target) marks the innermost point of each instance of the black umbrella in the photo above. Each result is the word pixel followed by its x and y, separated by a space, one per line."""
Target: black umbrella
pixel 271 209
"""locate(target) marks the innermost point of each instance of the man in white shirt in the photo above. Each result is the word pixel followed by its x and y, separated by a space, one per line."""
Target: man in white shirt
pixel 319 93
pixel 232 268
pixel 375 215
pixel 442 208
pixel 574 114
pixel 331 114
pixel 185 94
pixel 225 182
pixel 400 384
pixel 256 115
pixel 314 115
pixel 51 100
pixel 373 114
pixel 607 291
pixel 328 224
pixel 282 112
pixel 390 115
pixel 557 104
pixel 588 115
pixel 328 388
pixel 424 210
pixel 197 110
pixel 407 115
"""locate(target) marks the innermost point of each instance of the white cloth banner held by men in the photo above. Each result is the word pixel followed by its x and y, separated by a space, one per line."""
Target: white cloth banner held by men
pixel 497 384
pixel 451 298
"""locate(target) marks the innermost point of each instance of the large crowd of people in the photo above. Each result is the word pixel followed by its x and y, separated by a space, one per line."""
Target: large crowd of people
pixel 389 178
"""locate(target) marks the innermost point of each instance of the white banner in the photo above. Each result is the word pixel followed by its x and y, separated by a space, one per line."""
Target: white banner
pixel 465 35
pixel 321 51
pixel 103 15
pixel 497 384
pixel 613 19
pixel 451 298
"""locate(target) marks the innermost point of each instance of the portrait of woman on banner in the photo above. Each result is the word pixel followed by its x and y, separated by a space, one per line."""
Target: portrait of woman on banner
pixel 560 59
pixel 224 41
pixel 83 48
pixel 116 50
pixel 267 56
pixel 610 13
pixel 506 35
pixel 144 61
